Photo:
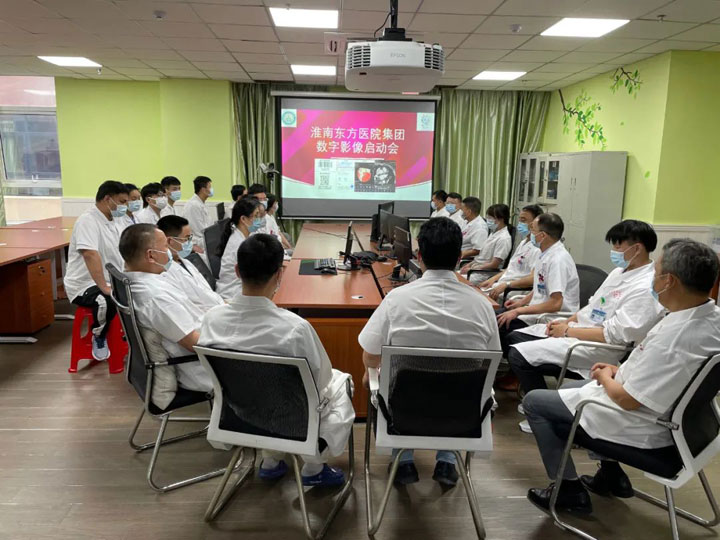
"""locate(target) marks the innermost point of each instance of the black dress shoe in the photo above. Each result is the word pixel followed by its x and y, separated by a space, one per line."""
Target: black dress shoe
pixel 609 483
pixel 577 502
pixel 406 474
pixel 445 474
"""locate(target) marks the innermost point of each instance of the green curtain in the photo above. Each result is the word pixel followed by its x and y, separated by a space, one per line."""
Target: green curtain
pixel 254 110
pixel 479 135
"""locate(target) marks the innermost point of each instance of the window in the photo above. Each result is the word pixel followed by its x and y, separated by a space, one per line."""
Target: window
pixel 29 147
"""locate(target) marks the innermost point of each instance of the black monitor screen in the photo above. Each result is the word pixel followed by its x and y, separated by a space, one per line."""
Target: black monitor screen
pixel 396 221
pixel 402 246
pixel 387 206
pixel 348 243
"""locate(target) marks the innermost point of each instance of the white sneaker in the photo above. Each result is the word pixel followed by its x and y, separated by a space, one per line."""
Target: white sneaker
pixel 521 409
pixel 525 426
pixel 100 349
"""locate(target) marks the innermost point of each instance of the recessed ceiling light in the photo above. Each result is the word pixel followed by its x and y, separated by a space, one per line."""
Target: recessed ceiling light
pixel 313 70
pixel 498 75
pixel 70 61
pixel 41 92
pixel 304 18
pixel 569 27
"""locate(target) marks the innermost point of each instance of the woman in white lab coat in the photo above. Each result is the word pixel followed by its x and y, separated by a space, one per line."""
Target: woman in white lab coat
pixel 244 221
pixel 134 206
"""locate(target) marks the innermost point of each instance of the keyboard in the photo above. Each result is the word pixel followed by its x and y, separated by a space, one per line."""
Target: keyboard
pixel 324 263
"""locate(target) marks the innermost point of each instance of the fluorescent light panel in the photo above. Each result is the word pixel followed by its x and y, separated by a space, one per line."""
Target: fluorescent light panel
pixel 590 28
pixel 70 61
pixel 304 18
pixel 498 75
pixel 313 70
pixel 41 92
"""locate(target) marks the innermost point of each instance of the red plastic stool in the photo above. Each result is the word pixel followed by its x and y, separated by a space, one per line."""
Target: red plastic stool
pixel 82 344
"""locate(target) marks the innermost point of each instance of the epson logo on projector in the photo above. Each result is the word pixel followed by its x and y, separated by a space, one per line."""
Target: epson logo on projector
pixel 397 55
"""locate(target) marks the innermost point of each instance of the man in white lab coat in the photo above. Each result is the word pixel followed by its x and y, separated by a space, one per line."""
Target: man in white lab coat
pixel 196 211
pixel 437 203
pixel 183 274
pixel 251 322
pixel 436 310
pixel 556 286
pixel 154 202
pixel 650 381
pixel 475 232
pixel 173 191
pixel 159 305
pixel 452 205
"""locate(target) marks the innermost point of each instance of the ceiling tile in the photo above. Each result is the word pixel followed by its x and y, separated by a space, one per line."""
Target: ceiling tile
pixel 463 7
pixel 217 66
pixel 554 67
pixel 543 76
pixel 451 82
pixel 523 85
pixel 448 41
pixel 713 48
pixel 169 64
pixel 493 41
pixel 615 44
pixel 260 76
pixel 651 29
pixel 178 29
pixel 106 27
pixel 145 78
pixel 705 32
pixel 540 8
pixel 688 11
pixel 632 58
pixel 462 65
pixel 183 73
pixel 459 74
pixel 549 43
pixel 617 9
pixel 94 9
pixel 153 54
pixel 119 63
pixel 446 23
pixel 532 56
pixel 368 21
pixel 528 25
pixel 229 76
pixel 670 44
pixel 300 35
pixel 380 5
pixel 25 8
pixel 586 57
pixel 598 69
pixel 515 66
pixel 312 49
pixel 197 44
pixel 136 42
pixel 312 60
pixel 238 32
pixel 252 58
pixel 266 68
pixel 247 15
pixel 138 72
pixel 143 10
pixel 482 85
pixel 43 25
pixel 303 4
pixel 482 55
pixel 260 47
pixel 208 56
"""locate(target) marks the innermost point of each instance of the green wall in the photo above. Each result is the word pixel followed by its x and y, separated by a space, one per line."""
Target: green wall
pixel 141 131
pixel 632 124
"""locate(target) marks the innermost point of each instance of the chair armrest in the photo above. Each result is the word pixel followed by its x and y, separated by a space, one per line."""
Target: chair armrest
pixel 490 272
pixel 638 414
pixel 374 384
pixel 182 360
pixel 549 317
pixel 587 344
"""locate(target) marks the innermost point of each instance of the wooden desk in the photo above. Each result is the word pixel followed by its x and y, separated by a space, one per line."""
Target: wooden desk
pixel 46 239
pixel 63 222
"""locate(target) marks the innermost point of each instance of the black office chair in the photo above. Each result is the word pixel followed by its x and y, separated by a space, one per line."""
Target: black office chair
pixel 220 211
pixel 591 278
pixel 197 261
pixel 140 371
pixel 212 236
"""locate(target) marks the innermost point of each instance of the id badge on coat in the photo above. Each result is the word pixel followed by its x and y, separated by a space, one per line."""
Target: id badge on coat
pixel 598 316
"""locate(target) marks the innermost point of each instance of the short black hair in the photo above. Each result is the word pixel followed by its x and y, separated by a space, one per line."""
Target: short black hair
pixel 200 182
pixel 257 188
pixel 110 187
pixel 692 262
pixel 500 211
pixel 440 243
pixel 259 258
pixel 534 209
pixel 236 191
pixel 148 190
pixel 271 200
pixel 551 224
pixel 131 187
pixel 635 231
pixel 172 225
pixel 135 240
pixel 474 204
pixel 453 195
pixel 170 181
pixel 440 195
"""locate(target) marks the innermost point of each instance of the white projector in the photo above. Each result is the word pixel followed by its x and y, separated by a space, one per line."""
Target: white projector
pixel 393 66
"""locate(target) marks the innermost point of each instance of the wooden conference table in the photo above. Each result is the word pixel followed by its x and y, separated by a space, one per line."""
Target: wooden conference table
pixel 337 306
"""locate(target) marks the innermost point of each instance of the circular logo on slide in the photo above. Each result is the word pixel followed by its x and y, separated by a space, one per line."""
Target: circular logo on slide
pixel 289 118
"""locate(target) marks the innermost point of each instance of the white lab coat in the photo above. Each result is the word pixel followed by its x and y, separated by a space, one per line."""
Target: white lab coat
pixel 458 218
pixel 254 324
pixel 196 213
pixel 188 279
pixel 162 307
pixel 475 233
pixel 123 223
pixel 169 210
pixel 437 311
pixel 623 307
pixel 521 263
pixel 92 231
pixel 656 373
pixel 440 213
pixel 498 245
pixel 555 271
pixel 147 215
pixel 228 283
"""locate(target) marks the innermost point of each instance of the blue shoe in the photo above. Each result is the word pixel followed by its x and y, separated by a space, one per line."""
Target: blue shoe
pixel 328 477
pixel 274 473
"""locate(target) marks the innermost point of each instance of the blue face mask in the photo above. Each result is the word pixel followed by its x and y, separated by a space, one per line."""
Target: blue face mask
pixel 186 249
pixel 135 206
pixel 169 262
pixel 618 259
pixel 534 241
pixel 451 208
pixel 433 205
pixel 175 195
pixel 120 211
pixel 523 229
pixel 655 294
pixel 212 192
pixel 492 224
pixel 257 224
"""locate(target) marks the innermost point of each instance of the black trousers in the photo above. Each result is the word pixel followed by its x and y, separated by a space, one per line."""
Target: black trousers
pixel 103 309
pixel 531 377
pixel 515 324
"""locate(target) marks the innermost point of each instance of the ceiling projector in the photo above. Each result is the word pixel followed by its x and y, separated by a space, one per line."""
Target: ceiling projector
pixel 393 63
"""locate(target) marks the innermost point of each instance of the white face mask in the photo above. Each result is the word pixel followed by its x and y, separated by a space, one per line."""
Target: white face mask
pixel 161 202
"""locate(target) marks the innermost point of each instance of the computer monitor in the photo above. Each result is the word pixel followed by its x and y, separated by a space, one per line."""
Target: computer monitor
pixel 347 254
pixel 402 247
pixel 388 207
pixel 392 221
pixel 384 218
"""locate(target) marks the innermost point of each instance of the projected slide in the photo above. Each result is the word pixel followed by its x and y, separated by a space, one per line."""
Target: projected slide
pixel 341 157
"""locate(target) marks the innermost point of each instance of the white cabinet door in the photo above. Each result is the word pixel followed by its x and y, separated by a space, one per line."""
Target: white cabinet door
pixel 580 191
pixel 563 186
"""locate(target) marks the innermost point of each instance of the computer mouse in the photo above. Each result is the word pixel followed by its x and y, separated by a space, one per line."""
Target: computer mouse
pixel 382 258
pixel 327 271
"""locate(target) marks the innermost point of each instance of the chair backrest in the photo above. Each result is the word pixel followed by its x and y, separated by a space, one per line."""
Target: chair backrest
pixel 262 401
pixel 511 231
pixel 213 235
pixel 197 261
pixel 590 278
pixel 220 211
pixel 437 393
pixel 698 415
pixel 137 367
